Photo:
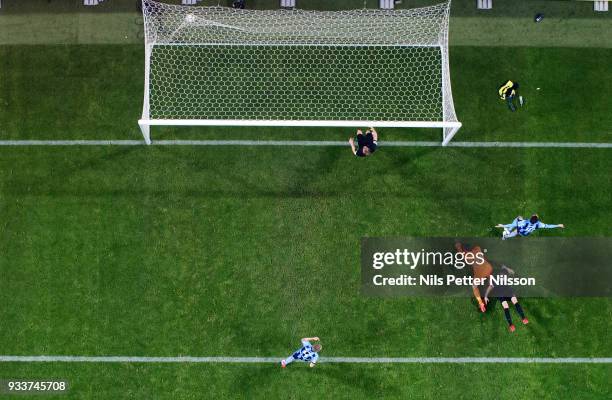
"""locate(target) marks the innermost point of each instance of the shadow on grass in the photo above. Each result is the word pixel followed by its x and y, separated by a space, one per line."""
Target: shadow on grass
pixel 249 173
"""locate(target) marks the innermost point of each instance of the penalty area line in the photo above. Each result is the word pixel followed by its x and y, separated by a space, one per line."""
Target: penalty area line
pixel 267 360
pixel 316 143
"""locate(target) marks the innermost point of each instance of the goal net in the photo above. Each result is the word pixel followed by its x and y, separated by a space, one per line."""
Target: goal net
pixel 367 67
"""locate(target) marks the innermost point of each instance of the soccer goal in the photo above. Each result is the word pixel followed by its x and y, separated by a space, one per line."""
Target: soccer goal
pixel 359 68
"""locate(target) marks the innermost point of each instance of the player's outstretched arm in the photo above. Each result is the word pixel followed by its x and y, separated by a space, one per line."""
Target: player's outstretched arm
pixel 550 226
pixel 311 339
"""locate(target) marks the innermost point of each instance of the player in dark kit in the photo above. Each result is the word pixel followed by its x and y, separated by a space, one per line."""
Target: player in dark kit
pixel 366 144
pixel 505 294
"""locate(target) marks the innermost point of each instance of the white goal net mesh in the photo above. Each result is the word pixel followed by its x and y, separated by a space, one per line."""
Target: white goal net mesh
pixel 217 63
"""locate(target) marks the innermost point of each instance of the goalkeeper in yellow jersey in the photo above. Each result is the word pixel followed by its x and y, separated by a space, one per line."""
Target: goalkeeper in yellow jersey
pixel 508 92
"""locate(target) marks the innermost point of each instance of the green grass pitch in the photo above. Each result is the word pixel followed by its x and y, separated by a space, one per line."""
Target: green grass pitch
pixel 224 252
pixel 238 251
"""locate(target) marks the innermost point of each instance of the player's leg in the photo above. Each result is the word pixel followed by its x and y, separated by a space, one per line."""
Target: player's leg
pixel 519 310
pixel 374 134
pixel 507 313
pixel 481 304
pixel 509 234
pixel 515 222
pixel 512 225
pixel 289 360
pixel 361 139
pixel 509 101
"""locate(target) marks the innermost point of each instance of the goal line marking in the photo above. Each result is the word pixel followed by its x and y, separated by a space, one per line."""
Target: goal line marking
pixel 265 360
pixel 320 143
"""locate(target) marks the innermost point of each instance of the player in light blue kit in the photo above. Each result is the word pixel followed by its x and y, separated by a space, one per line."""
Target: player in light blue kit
pixel 308 353
pixel 524 227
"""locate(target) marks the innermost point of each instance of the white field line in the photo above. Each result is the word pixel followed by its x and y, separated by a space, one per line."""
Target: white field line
pixel 71 142
pixel 296 143
pixel 265 360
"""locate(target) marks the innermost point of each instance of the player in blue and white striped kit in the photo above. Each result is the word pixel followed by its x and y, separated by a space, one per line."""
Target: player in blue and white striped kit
pixel 524 227
pixel 308 353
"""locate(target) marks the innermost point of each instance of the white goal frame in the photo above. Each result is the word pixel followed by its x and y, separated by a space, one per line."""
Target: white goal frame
pixel 448 123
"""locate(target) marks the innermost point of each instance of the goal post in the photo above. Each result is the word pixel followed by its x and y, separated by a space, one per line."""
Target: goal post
pixel 229 67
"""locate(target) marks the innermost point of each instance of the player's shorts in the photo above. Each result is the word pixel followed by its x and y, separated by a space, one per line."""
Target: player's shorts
pixel 503 292
pixel 505 298
pixel 365 139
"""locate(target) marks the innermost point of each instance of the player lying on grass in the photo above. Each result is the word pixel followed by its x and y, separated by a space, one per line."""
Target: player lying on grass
pixel 505 293
pixel 308 353
pixel 366 144
pixel 480 270
pixel 524 227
